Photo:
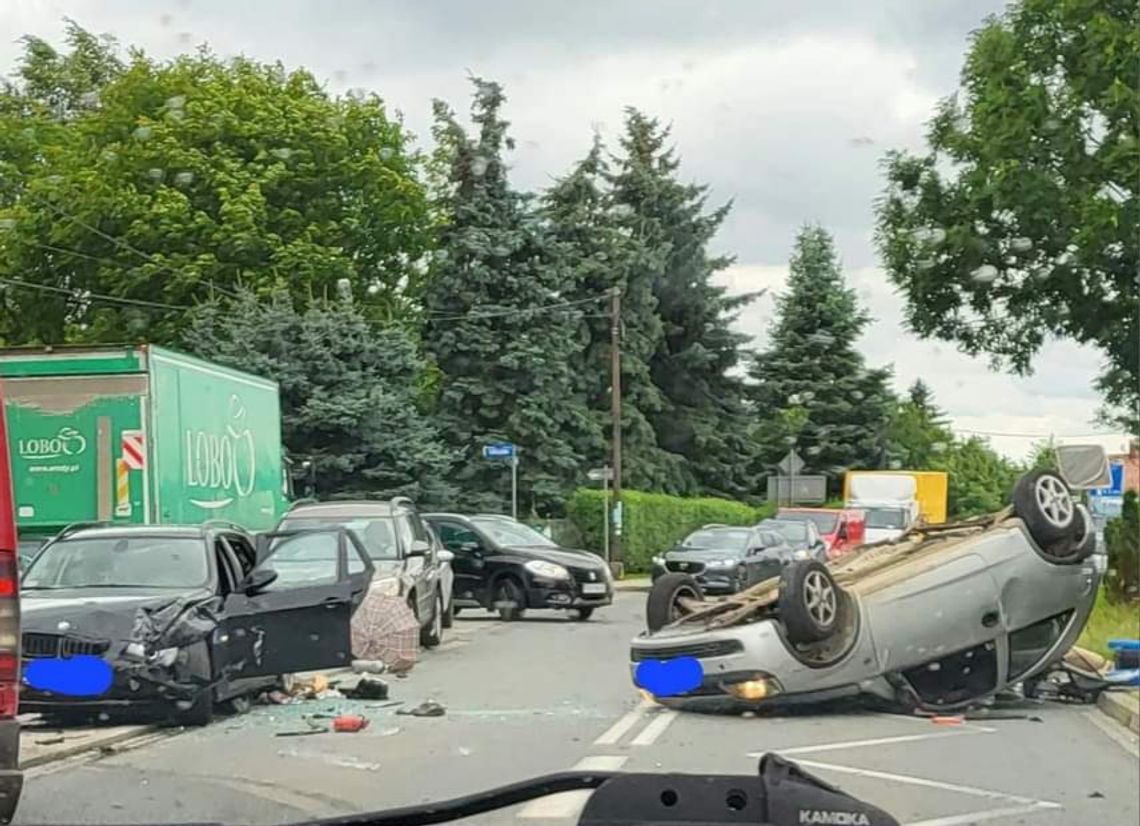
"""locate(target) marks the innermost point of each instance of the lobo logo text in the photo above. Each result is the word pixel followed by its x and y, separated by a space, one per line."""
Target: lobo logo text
pixel 222 462
pixel 67 442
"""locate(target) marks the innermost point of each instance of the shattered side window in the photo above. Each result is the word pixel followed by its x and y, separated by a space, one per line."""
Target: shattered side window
pixel 305 559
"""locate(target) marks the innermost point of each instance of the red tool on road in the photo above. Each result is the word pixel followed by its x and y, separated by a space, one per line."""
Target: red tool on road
pixel 350 723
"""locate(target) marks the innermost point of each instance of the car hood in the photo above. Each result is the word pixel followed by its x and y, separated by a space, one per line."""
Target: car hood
pixel 103 613
pixel 560 556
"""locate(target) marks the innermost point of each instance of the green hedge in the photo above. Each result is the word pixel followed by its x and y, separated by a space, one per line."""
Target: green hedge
pixel 654 522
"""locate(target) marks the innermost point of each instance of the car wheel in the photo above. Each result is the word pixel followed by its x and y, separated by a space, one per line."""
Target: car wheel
pixel 583 614
pixel 431 635
pixel 198 711
pixel 1043 501
pixel 449 614
pixel 663 606
pixel 809 601
pixel 1079 548
pixel 509 599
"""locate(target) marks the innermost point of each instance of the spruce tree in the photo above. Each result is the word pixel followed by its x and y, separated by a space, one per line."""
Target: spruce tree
pixel 810 389
pixel 498 322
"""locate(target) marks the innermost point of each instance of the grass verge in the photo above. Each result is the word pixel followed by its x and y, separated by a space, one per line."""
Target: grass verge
pixel 1110 620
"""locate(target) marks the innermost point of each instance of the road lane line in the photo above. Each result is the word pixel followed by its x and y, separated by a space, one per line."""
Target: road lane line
pixel 858 744
pixel 970 818
pixel 569 804
pixel 655 729
pixel 624 723
pixel 911 780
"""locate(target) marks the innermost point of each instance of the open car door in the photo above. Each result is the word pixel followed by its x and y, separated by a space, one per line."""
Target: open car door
pixel 294 610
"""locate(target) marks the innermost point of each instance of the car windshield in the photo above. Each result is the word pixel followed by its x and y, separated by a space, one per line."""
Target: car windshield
pixel 717 538
pixel 509 532
pixel 376 534
pixel 120 562
pixel 825 523
pixel 886 518
pixel 793 531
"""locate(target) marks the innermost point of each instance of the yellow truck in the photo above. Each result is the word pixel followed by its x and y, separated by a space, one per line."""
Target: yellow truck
pixel 929 490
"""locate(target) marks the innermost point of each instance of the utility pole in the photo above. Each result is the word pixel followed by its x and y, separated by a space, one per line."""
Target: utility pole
pixel 615 410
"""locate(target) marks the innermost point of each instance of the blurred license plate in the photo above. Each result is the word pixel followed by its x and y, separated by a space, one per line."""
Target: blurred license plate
pixel 593 588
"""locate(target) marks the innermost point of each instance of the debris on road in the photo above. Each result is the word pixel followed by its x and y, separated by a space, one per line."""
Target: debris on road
pixel 428 708
pixel 350 723
pixel 304 732
pixel 368 667
pixel 50 741
pixel 367 689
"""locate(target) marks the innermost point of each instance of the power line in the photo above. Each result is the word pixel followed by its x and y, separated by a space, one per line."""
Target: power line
pixel 518 311
pixel 81 295
pixel 1035 435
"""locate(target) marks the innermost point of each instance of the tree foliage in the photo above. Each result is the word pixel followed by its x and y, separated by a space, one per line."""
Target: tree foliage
pixel 810 388
pixel 1020 222
pixel 349 400
pixel 157 183
pixel 504 350
pixel 918 434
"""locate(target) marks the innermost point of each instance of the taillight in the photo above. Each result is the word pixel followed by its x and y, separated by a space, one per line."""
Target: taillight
pixel 9 634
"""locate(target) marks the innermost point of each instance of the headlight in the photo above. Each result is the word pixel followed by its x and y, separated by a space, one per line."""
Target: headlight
pixel 388 587
pixel 759 688
pixel 722 563
pixel 547 570
pixel 801 554
pixel 658 560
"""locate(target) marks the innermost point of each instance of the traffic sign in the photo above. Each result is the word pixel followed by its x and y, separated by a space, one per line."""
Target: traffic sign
pixel 599 473
pixel 792 464
pixel 1115 486
pixel 499 450
pixel 807 489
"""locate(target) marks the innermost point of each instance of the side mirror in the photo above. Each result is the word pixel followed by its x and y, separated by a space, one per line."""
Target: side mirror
pixel 756 550
pixel 419 548
pixel 445 556
pixel 470 547
pixel 258 580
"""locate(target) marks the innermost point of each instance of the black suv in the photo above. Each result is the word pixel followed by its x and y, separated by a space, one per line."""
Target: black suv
pixel 505 566
pixel 408 562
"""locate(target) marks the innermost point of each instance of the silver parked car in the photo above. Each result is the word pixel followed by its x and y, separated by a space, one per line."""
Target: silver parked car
pixel 937 619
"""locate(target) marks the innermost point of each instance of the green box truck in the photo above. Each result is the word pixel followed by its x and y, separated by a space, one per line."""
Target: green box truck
pixel 139 435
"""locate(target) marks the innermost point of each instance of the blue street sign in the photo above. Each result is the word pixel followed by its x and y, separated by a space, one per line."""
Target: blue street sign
pixel 1115 488
pixel 499 450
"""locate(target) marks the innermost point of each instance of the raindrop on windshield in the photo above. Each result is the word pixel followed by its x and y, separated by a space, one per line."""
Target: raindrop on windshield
pixel 7 223
pixel 176 102
pixel 282 153
pixel 89 99
pixel 184 178
pixel 1021 244
pixel 109 154
pixel 386 153
pixel 985 274
pixel 373 289
pixel 155 174
pixel 479 166
pixel 142 133
pixel 184 38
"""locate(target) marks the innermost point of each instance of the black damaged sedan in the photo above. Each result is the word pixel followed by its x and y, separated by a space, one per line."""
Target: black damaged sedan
pixel 172 620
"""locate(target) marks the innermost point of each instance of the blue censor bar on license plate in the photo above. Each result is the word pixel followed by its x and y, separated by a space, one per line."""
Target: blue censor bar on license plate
pixel 79 676
pixel 668 678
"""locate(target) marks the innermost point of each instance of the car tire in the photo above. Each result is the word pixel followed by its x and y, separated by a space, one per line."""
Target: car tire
pixel 1046 506
pixel 583 614
pixel 449 614
pixel 199 711
pixel 508 599
pixel 431 635
pixel 809 601
pixel 1078 548
pixel 662 606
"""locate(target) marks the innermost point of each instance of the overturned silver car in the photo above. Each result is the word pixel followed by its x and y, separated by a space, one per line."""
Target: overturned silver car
pixel 940 618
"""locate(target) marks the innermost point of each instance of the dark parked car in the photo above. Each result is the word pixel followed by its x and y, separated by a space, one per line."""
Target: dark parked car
pixel 505 566
pixel 176 618
pixel 725 559
pixel 408 561
pixel 801 534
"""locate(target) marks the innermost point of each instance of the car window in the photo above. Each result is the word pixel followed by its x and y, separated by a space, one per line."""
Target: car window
pixel 135 561
pixel 792 531
pixel 404 532
pixel 376 534
pixel 454 535
pixel 307 558
pixel 243 551
pixel 824 522
pixel 886 518
pixel 229 569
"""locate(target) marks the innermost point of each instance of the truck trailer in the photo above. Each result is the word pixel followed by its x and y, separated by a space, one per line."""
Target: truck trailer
pixel 139 435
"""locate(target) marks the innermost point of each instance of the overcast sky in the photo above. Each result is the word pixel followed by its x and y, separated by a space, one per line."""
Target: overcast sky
pixel 784 108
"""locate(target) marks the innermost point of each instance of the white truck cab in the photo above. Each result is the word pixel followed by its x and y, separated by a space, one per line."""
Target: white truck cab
pixel 889 501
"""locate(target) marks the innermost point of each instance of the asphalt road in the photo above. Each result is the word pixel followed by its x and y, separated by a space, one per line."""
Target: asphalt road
pixel 549 694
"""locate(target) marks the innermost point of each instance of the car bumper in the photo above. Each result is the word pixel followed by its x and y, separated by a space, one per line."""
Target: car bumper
pixel 566 595
pixel 11 778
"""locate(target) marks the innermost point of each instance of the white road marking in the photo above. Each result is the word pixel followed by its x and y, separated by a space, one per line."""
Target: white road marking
pixel 624 723
pixel 655 729
pixel 1116 732
pixel 858 744
pixel 969 818
pixel 910 779
pixel 568 804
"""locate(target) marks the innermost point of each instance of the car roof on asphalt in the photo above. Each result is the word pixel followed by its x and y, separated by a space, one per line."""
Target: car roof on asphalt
pixel 362 507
